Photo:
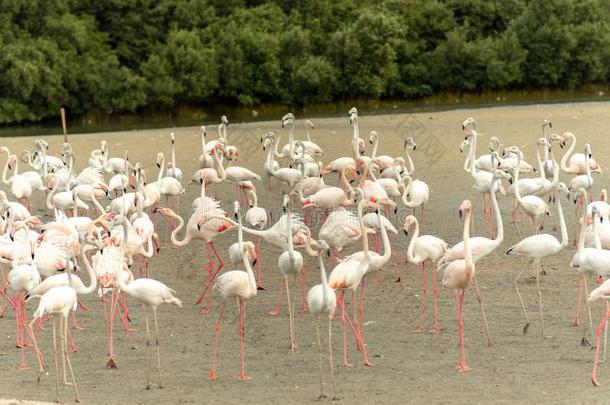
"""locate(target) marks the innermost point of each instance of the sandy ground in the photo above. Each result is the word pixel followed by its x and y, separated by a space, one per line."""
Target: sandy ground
pixel 409 367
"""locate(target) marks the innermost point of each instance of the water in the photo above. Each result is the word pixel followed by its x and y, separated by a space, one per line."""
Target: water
pixel 100 121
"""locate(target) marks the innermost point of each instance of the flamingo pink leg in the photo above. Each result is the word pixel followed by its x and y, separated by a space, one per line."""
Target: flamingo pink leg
pixel 579 302
pixel 207 307
pixel 303 279
pixel 483 317
pixel 242 332
pixel 422 305
pixel 212 375
pixel 600 328
pixel 276 311
pixel 259 265
pixel 436 328
pixel 461 366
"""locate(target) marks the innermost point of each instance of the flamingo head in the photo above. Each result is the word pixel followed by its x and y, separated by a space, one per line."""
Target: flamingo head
pixel 408 222
pixel 160 159
pixel 468 121
pixel 361 146
pixel 465 206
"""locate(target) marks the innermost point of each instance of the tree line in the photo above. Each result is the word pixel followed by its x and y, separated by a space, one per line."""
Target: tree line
pixel 123 55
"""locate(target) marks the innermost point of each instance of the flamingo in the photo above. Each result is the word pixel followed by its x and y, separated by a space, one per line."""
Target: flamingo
pixel 256 217
pixel 331 197
pixel 421 249
pixel 577 164
pixel 457 276
pixel 347 275
pixel 115 164
pixel 482 180
pixel 290 262
pixel 172 169
pixel 21 188
pixel 242 285
pixel 322 301
pixel 533 206
pixel 535 248
pixel 375 260
pixel 600 293
pixel 206 222
pixel 151 293
pixel 60 301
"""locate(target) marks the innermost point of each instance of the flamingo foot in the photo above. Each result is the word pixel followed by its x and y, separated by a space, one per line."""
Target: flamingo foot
pixel 244 377
pixel 397 280
pixel 347 365
pixel 111 363
pixel 212 376
pixel 463 368
pixel 435 330
pixel 23 366
pixel 260 288
pixel 420 329
pixel 576 321
pixel 368 364
pixel 274 312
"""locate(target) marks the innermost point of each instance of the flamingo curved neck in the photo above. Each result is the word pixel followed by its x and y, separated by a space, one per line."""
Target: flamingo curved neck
pixel 562 224
pixel 248 267
pixel 564 159
pixel 540 165
pixel 467 248
pixel 173 237
pixel 500 232
pixel 405 201
pixel 161 169
pixel 324 279
pixel 5 179
pixel 92 279
pixel 583 225
pixel 375 145
pixel 387 248
pixel 365 239
pixel 411 246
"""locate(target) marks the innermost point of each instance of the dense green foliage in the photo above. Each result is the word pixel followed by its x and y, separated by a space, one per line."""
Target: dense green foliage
pixel 121 55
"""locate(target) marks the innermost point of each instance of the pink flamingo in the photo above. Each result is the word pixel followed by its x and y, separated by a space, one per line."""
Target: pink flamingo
pixel 457 276
pixel 240 284
pixel 424 248
pixel 151 293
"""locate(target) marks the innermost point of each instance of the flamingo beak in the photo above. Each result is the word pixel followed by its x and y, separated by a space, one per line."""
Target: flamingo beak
pixel 460 213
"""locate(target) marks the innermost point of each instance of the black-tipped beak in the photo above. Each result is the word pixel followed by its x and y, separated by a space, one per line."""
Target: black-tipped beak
pixel 590 156
pixel 235 216
pixel 33 256
pixel 415 147
pixel 406 232
pixel 254 262
pixel 371 142
pixel 361 153
pixel 460 213
pixel 158 166
pixel 12 238
pixel 198 227
pixel 395 210
pixel 463 127
pixel 284 209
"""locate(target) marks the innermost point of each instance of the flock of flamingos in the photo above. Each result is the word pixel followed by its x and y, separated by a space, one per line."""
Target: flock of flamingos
pixel 114 243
